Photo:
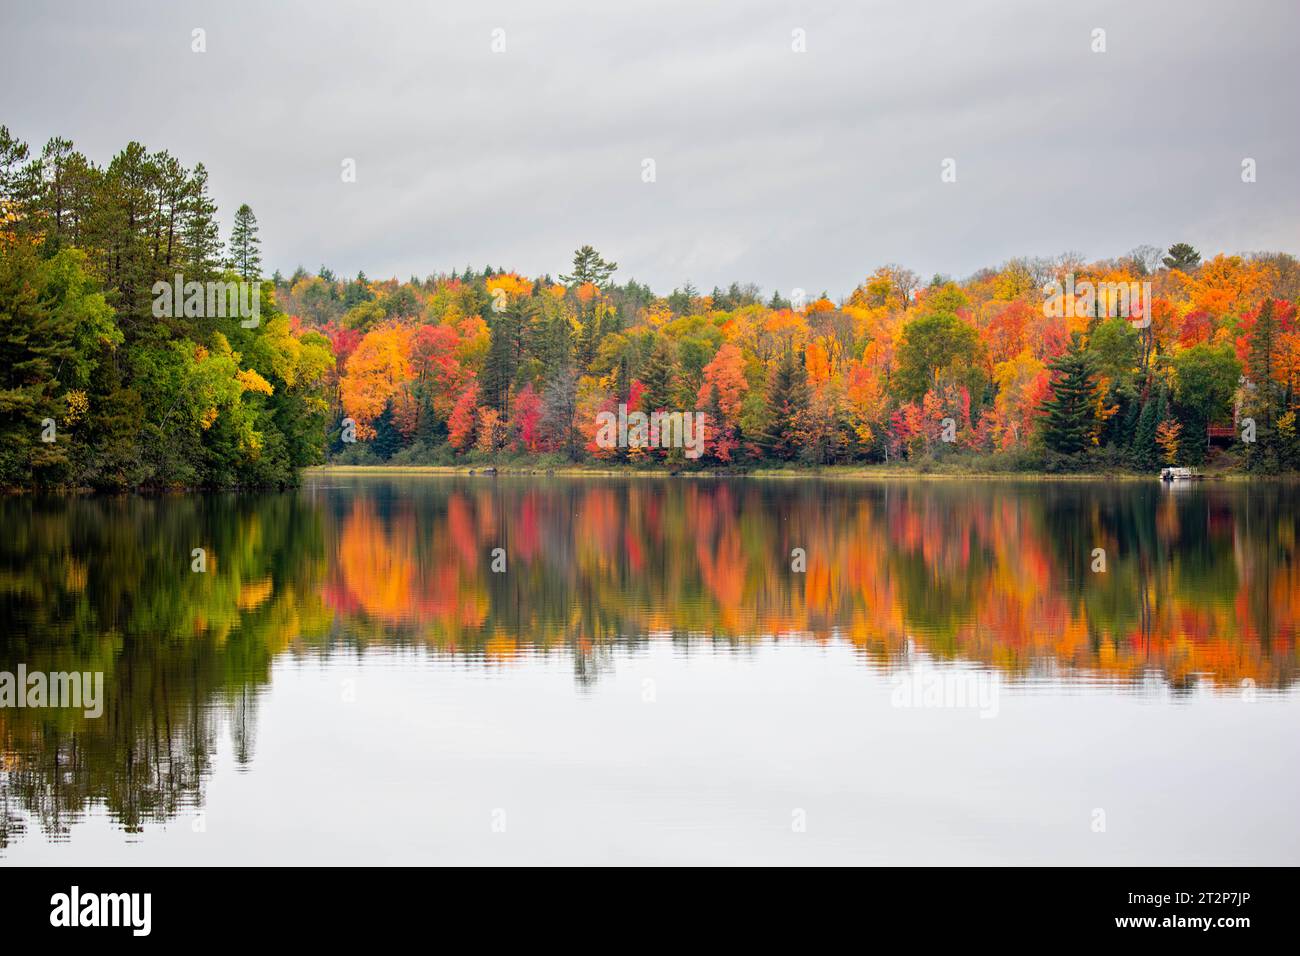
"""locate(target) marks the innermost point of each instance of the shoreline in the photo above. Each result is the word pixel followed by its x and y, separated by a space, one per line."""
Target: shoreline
pixel 878 473
pixel 857 472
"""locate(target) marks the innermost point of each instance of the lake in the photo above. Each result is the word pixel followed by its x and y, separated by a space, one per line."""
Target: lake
pixel 466 669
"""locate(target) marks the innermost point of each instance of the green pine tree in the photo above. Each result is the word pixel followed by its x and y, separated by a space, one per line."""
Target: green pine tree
pixel 1145 453
pixel 245 253
pixel 1182 256
pixel 388 440
pixel 505 352
pixel 787 402
pixel 659 376
pixel 1067 428
pixel 588 266
pixel 201 232
pixel 1261 365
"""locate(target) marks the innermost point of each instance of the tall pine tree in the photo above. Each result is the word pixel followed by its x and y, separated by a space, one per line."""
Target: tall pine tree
pixel 1261 364
pixel 1145 452
pixel 1067 427
pixel 201 232
pixel 245 254
pixel 659 376
pixel 787 403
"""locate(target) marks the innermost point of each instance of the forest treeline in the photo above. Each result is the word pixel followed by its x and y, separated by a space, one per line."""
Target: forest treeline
pixel 485 364
pixel 138 400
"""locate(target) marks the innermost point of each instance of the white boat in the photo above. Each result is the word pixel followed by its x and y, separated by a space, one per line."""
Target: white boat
pixel 1179 474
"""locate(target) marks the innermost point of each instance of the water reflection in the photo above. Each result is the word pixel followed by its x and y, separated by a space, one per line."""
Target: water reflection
pixel 1199 589
pixel 1196 587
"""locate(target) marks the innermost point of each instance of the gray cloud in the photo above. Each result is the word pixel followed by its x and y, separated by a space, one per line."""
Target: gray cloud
pixel 784 169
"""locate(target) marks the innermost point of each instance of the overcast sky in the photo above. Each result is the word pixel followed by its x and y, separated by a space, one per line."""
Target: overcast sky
pixel 781 168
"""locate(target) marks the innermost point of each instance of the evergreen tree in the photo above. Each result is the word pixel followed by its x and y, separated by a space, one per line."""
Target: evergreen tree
pixel 787 402
pixel 56 197
pixel 1132 412
pixel 357 291
pixel 1182 256
pixel 120 229
pixel 588 266
pixel 719 437
pixel 245 254
pixel 1261 358
pixel 13 162
pixel 1145 452
pixel 172 191
pixel 1261 364
pixel 505 353
pixel 201 232
pixel 591 330
pixel 1067 426
pixel 388 440
pixel 549 337
pixel 659 376
pixel 682 301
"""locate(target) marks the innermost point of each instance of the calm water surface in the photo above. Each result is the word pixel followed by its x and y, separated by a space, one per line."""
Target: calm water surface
pixel 650 681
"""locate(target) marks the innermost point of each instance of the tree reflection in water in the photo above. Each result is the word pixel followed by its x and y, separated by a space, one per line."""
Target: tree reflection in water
pixel 1200 589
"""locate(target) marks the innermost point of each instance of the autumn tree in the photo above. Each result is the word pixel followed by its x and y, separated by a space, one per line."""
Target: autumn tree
pixel 720 396
pixel 462 425
pixel 824 429
pixel 375 374
pixel 1024 385
pixel 525 420
pixel 1168 433
pixel 435 363
pixel 725 374
pixel 935 345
